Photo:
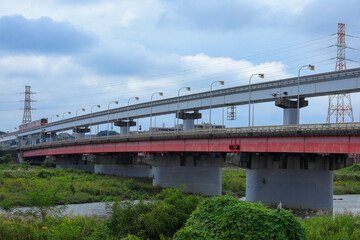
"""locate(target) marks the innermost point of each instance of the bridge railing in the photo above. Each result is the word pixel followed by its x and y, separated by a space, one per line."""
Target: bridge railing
pixel 242 131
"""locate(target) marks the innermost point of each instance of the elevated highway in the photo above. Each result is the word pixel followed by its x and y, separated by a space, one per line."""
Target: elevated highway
pixel 309 86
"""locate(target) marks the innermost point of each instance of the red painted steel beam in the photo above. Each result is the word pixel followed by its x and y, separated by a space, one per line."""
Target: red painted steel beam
pixel 299 144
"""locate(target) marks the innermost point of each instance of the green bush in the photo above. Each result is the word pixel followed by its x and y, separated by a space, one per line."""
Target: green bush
pixel 161 217
pixel 6 158
pixel 47 164
pixel 226 217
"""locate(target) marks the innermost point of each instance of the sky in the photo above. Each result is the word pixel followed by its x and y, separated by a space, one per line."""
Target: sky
pixel 77 54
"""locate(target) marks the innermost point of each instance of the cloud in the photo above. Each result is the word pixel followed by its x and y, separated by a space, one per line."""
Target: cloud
pixel 42 35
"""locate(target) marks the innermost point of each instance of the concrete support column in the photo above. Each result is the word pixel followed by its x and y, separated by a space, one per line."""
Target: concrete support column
pixel 34 139
pixel 299 181
pixel 124 170
pixel 290 115
pixel 125 126
pixel 188 119
pixel 72 161
pixel 198 173
pixel 296 189
pixel 204 180
pixel 122 164
pixel 80 131
pixel 50 137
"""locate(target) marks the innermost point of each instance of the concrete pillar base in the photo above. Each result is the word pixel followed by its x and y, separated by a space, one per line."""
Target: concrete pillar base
pixel 296 189
pixel 124 126
pixel 124 170
pixel 188 119
pixel 89 168
pixel 290 116
pixel 203 180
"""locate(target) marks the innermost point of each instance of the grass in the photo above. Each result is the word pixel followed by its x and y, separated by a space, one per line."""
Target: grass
pixel 347 180
pixel 341 226
pixel 234 181
pixel 18 182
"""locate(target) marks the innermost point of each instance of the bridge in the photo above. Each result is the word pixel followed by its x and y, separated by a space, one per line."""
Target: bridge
pixel 291 163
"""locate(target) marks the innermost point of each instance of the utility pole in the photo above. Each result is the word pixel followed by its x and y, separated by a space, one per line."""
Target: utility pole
pixel 27 105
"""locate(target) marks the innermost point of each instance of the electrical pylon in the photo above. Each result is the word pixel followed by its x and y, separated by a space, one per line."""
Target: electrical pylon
pixel 27 105
pixel 340 104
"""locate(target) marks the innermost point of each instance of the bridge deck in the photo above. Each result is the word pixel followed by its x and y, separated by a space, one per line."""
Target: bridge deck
pixel 320 138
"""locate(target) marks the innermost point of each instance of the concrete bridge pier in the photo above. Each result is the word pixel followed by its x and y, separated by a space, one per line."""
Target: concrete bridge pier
pixel 34 139
pixel 121 164
pixel 290 116
pixel 199 173
pixel 50 137
pixel 74 161
pixel 299 181
pixel 188 119
pixel 80 131
pixel 125 126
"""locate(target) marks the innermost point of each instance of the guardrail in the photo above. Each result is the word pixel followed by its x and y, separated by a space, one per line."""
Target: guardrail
pixel 205 133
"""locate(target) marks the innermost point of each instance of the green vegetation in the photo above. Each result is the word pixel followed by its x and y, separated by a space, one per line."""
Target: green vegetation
pixel 169 214
pixel 5 159
pixel 347 180
pixel 342 226
pixel 234 181
pixel 158 219
pixel 18 182
pixel 227 217
pixel 161 217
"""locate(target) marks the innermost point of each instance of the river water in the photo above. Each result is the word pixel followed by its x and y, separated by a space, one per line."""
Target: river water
pixel 342 203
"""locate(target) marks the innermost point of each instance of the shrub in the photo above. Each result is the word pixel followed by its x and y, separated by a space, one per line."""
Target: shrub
pixel 43 174
pixel 47 163
pixel 6 158
pixel 226 217
pixel 155 219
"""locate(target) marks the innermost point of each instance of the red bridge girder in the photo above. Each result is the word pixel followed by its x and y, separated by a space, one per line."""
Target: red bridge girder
pixel 298 144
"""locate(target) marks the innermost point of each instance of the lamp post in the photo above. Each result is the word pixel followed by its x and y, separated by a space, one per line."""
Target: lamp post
pixel 116 102
pixel 56 115
pixel 160 94
pixel 178 108
pixel 127 124
pixel 312 68
pixel 260 76
pixel 221 83
pixel 62 125
pixel 91 109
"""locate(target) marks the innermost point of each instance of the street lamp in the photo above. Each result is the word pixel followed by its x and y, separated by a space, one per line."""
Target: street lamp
pixel 160 94
pixel 127 124
pixel 116 102
pixel 76 116
pixel 56 115
pixel 221 83
pixel 260 76
pixel 312 68
pixel 91 118
pixel 178 108
pixel 62 126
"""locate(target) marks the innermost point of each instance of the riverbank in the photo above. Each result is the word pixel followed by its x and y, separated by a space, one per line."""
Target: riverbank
pixel 24 185
pixel 161 220
pixel 19 183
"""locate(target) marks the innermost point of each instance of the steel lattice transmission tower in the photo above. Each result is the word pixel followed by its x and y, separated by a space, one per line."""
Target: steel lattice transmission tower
pixel 27 105
pixel 340 104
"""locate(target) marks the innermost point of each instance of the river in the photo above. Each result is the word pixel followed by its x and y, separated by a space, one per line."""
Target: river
pixel 341 204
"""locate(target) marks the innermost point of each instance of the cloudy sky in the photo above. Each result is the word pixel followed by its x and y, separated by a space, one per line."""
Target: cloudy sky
pixel 76 54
